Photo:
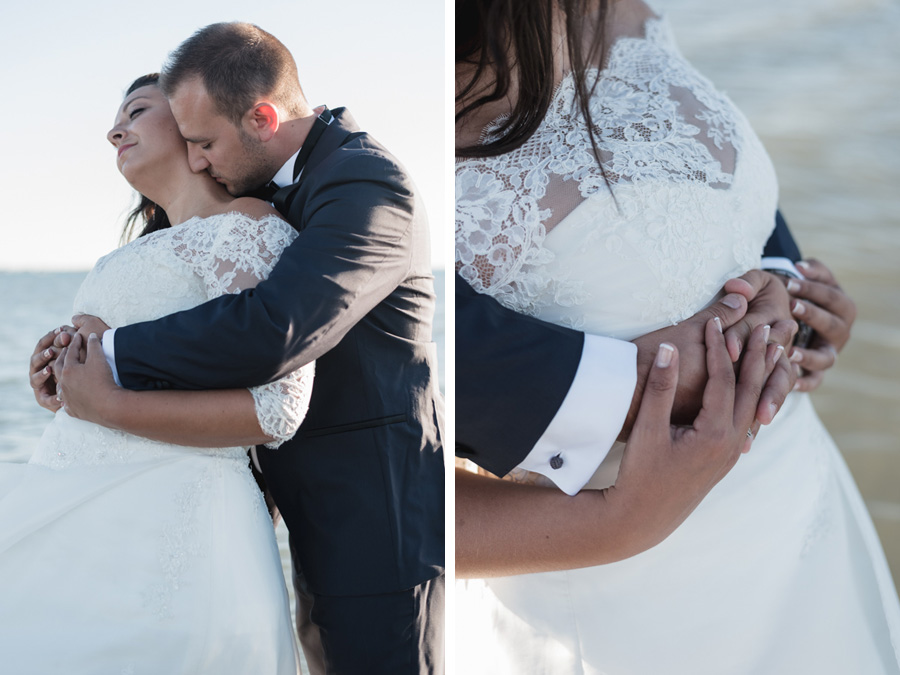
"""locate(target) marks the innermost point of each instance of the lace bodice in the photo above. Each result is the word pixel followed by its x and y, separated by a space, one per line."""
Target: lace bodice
pixel 691 200
pixel 175 269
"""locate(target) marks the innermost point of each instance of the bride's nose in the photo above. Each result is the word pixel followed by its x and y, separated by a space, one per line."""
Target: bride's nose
pixel 115 135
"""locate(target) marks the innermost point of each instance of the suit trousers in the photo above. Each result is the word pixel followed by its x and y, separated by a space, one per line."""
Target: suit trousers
pixel 398 633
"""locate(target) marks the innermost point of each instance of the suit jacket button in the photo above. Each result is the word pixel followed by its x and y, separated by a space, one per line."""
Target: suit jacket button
pixel 556 462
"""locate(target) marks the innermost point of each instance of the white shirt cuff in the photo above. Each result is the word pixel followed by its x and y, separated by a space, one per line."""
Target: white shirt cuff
pixel 108 341
pixel 781 264
pixel 591 416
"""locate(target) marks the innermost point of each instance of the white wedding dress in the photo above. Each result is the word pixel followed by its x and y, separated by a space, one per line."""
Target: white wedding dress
pixel 120 555
pixel 779 571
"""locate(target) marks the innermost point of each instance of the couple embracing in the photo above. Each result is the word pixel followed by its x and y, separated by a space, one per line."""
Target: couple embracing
pixel 279 297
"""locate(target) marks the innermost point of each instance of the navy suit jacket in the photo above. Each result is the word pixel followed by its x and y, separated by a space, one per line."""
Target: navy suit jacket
pixel 361 485
pixel 513 372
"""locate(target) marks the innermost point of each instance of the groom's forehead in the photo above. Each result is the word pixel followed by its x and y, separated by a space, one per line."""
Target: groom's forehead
pixel 193 107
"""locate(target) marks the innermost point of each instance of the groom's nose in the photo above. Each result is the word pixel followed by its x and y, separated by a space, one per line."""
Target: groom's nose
pixel 197 158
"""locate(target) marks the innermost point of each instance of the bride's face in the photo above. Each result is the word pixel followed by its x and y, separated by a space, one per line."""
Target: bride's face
pixel 146 137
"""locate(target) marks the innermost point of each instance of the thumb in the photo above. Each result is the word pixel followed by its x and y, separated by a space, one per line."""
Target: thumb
pixel 654 415
pixel 78 320
pixel 729 309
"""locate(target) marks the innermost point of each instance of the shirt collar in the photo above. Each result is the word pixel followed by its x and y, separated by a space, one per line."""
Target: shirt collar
pixel 285 175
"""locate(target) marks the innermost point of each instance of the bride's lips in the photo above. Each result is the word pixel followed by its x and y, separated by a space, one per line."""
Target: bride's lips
pixel 125 147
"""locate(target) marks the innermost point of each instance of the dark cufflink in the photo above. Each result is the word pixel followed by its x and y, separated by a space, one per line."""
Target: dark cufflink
pixel 556 462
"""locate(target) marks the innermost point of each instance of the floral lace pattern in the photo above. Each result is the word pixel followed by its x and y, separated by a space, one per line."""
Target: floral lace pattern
pixel 670 144
pixel 180 267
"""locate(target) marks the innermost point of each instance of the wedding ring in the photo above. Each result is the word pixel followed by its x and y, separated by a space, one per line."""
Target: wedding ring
pixel 749 433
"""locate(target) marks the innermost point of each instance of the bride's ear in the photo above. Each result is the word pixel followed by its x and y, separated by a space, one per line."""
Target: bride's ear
pixel 261 121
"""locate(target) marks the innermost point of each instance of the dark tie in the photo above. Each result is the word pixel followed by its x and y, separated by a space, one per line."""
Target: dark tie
pixel 265 192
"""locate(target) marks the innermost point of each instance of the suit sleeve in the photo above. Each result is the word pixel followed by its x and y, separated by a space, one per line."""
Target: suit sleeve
pixel 353 250
pixel 781 243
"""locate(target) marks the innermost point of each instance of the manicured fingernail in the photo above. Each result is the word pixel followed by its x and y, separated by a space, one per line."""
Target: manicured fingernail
pixel 718 323
pixel 766 331
pixel 779 350
pixel 803 265
pixel 46 370
pixel 772 410
pixel 798 308
pixel 793 286
pixel 731 301
pixel 664 355
pixel 92 336
pixel 48 353
pixel 796 356
pixel 796 386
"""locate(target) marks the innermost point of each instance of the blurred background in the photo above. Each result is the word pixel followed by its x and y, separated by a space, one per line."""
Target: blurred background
pixel 820 82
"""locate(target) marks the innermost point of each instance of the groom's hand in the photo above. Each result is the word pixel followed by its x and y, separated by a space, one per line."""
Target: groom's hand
pixel 819 301
pixel 768 305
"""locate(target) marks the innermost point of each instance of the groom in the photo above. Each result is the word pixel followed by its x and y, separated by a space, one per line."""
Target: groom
pixel 361 485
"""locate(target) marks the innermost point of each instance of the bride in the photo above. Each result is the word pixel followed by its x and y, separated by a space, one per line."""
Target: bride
pixel 620 207
pixel 123 554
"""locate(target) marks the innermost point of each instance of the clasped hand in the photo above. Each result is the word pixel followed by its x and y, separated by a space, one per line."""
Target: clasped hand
pixel 755 299
pixel 68 368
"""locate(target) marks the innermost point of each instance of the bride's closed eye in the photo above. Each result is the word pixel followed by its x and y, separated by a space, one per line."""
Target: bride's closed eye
pixel 134 113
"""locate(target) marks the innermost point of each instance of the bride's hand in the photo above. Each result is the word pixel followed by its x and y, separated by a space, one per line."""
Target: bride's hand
pixel 85 382
pixel 666 469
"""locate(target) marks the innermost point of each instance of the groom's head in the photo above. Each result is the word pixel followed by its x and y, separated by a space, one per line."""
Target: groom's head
pixel 231 85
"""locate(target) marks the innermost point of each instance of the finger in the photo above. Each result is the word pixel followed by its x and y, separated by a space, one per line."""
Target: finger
pixel 94 348
pixel 78 320
pixel 75 349
pixel 748 284
pixel 815 270
pixel 655 413
pixel 819 359
pixel 718 396
pixel 729 309
pixel 810 381
pixel 749 387
pixel 830 326
pixel 783 332
pixel 41 359
pixel 778 385
pixel 828 297
pixel 39 379
pixel 45 342
pixel 751 436
pixel 63 339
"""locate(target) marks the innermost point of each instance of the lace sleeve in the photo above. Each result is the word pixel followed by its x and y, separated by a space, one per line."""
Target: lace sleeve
pixel 233 252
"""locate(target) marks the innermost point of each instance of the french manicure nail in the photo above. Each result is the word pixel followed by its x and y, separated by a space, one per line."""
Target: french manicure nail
pixel 718 323
pixel 803 265
pixel 664 355
pixel 793 286
pixel 798 308
pixel 48 353
pixel 779 350
pixel 796 356
pixel 766 331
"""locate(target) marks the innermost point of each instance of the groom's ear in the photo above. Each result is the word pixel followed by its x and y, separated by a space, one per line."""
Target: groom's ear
pixel 262 120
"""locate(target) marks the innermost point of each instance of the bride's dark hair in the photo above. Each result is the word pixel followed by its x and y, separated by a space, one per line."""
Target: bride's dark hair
pixel 147 216
pixel 497 37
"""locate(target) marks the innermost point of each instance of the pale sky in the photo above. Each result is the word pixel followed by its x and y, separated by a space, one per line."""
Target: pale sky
pixel 65 66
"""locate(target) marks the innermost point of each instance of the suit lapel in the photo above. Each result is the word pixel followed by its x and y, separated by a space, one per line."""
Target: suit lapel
pixel 331 138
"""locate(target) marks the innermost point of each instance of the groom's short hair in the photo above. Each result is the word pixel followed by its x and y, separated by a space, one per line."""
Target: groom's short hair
pixel 238 63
